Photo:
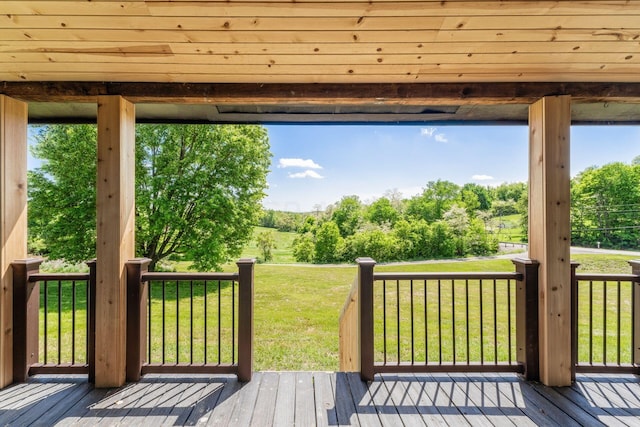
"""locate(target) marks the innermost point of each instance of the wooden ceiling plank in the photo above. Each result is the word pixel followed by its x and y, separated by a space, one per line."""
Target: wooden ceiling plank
pixel 167 57
pixel 316 8
pixel 317 23
pixel 266 37
pixel 151 48
pixel 297 78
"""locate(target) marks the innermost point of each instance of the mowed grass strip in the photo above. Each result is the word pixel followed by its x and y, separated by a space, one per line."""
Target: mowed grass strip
pixel 297 310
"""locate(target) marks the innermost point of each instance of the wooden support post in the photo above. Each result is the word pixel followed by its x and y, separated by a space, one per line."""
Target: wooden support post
pixel 549 232
pixel 26 309
pixel 245 319
pixel 115 234
pixel 137 296
pixel 13 218
pixel 527 318
pixel 365 317
pixel 635 269
pixel 91 331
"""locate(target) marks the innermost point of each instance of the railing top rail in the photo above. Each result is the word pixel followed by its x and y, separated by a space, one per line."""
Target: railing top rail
pixel 42 277
pixel 448 276
pixel 599 277
pixel 151 276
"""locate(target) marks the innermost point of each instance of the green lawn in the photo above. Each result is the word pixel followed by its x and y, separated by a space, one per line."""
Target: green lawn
pixel 282 254
pixel 297 310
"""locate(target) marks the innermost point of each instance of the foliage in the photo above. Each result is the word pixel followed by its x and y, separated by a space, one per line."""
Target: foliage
pixel 605 206
pixel 329 244
pixel 266 242
pixel 347 215
pixel 198 190
pixel 282 221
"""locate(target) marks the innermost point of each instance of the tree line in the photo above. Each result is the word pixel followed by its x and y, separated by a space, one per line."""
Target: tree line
pixel 446 220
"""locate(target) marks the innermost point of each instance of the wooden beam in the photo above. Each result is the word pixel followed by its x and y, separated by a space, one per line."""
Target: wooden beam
pixel 115 234
pixel 13 218
pixel 550 234
pixel 326 93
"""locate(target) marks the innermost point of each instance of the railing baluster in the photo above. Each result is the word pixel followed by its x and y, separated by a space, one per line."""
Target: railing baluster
pixel 439 322
pixel 398 318
pixel 426 323
pixel 205 322
pixel 73 322
pixel 59 309
pixel 164 300
pixel 384 320
pixel 481 322
pixel 466 307
pixel 233 321
pixel 618 323
pixel 219 323
pixel 590 322
pixel 413 354
pixel 453 320
pixel 177 322
pixel 46 321
pixel 604 322
pixel 495 322
pixel 191 321
pixel 509 319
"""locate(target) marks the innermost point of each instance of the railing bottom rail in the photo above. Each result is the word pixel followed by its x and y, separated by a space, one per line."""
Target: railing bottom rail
pixel 168 368
pixel 447 367
pixel 61 369
pixel 599 368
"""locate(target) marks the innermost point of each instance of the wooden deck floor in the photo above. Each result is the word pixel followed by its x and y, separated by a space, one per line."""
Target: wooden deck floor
pixel 318 398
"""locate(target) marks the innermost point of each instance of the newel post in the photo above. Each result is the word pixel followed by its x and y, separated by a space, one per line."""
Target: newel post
pixel 137 296
pixel 527 324
pixel 91 331
pixel 635 269
pixel 365 317
pixel 26 307
pixel 245 318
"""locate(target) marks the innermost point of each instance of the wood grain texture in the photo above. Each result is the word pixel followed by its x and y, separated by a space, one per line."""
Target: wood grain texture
pixel 13 218
pixel 332 41
pixel 115 234
pixel 549 232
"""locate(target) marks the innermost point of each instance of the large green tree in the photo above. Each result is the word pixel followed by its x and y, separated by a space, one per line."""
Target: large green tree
pixel 198 190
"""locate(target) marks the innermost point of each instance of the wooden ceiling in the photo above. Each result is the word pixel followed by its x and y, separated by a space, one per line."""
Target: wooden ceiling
pixel 326 42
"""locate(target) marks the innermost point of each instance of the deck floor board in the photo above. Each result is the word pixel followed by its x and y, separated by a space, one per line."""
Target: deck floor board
pixel 324 399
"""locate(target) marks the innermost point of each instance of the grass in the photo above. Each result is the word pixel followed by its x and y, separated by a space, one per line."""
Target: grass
pixel 510 230
pixel 282 253
pixel 297 310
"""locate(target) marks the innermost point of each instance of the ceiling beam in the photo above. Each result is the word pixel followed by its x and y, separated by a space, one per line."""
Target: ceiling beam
pixel 317 94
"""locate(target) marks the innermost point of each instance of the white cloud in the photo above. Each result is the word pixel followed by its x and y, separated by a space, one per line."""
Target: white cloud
pixel 482 178
pixel 298 163
pixel 306 174
pixel 427 131
pixel 431 133
pixel 441 138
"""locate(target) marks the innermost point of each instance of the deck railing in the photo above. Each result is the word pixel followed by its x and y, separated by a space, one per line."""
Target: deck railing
pixel 57 307
pixel 440 322
pixel 189 322
pixel 176 322
pixel 606 321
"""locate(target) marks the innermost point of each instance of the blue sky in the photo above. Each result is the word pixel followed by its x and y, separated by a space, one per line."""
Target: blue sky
pixel 318 164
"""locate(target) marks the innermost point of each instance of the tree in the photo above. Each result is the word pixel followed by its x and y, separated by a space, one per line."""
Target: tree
pixel 266 242
pixel 198 190
pixel 329 245
pixel 382 212
pixel 347 215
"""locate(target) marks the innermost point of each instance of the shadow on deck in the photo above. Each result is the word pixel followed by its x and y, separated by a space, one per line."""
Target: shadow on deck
pixel 320 398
